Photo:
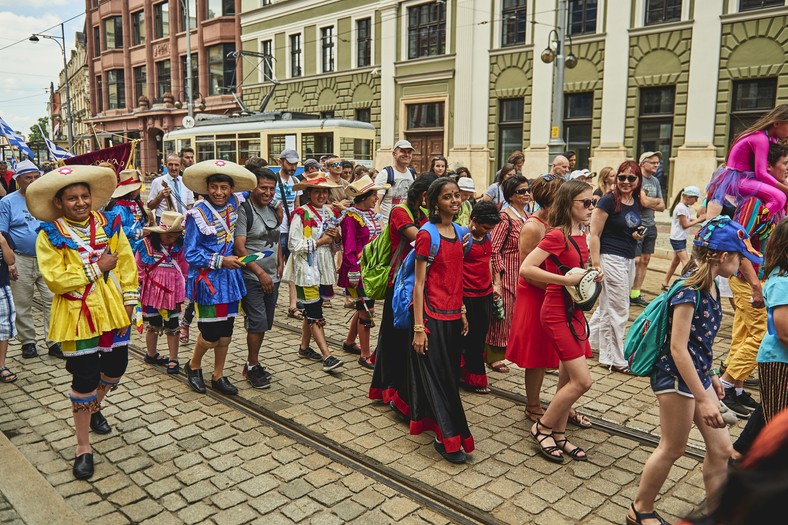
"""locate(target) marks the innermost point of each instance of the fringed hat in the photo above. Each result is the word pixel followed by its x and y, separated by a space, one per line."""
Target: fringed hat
pixel 41 192
pixel 128 181
pixel 195 177
pixel 315 183
pixel 171 222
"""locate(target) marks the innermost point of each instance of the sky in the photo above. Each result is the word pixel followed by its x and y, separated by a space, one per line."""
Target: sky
pixel 26 69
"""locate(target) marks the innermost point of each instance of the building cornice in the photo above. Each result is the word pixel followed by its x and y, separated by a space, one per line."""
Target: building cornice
pixel 755 14
pixel 661 28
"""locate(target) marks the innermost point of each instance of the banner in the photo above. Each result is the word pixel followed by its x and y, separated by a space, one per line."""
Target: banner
pixel 15 140
pixel 55 152
pixel 118 156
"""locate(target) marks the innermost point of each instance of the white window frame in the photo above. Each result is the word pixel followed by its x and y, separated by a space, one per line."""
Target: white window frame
pixel 288 44
pixel 261 72
pixel 497 30
pixel 319 54
pixel 404 29
pixel 640 13
pixel 354 38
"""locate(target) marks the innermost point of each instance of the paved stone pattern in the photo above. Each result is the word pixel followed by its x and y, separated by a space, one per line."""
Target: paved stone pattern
pixel 8 514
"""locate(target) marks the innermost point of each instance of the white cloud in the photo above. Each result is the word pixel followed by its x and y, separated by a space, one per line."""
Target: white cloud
pixel 37 4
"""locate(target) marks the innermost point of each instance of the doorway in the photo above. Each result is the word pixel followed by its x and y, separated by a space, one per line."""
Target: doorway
pixel 425 146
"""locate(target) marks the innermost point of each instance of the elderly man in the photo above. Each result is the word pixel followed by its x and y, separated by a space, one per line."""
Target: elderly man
pixel 559 167
pixel 399 175
pixel 25 275
pixel 651 200
pixel 168 192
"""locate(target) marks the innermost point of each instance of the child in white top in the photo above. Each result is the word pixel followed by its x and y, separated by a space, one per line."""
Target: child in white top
pixel 680 225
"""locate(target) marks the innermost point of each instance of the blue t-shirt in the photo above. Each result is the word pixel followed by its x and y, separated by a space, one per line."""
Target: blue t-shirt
pixel 616 238
pixel 775 293
pixel 22 226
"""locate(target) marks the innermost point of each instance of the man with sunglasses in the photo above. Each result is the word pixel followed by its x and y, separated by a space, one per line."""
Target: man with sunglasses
pixel 336 197
pixel 651 200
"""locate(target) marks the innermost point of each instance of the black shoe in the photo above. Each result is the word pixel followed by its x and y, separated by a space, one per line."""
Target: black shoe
pixel 309 354
pixel 453 457
pixel 224 386
pixel 55 351
pixel 98 423
pixel 257 376
pixel 83 466
pixel 351 348
pixel 331 363
pixel 157 359
pixel 364 361
pixel 752 383
pixel 638 301
pixel 194 378
pixel 398 412
pixel 731 401
pixel 29 350
pixel 747 401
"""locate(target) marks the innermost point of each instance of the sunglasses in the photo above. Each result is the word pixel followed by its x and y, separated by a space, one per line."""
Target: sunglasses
pixel 627 178
pixel 548 177
pixel 522 191
pixel 335 164
pixel 587 203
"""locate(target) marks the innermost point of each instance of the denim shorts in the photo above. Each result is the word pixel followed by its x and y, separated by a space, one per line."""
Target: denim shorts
pixel 663 382
pixel 679 246
pixel 648 243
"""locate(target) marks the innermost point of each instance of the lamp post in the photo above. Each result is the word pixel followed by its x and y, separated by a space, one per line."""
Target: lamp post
pixel 189 80
pixel 554 53
pixel 61 41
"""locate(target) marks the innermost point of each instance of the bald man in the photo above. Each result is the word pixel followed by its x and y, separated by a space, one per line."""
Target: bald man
pixel 560 166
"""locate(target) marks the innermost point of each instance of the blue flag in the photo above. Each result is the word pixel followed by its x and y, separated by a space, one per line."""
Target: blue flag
pixel 15 140
pixel 55 151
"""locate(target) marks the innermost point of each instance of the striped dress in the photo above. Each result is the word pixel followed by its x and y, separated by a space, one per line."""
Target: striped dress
pixel 506 261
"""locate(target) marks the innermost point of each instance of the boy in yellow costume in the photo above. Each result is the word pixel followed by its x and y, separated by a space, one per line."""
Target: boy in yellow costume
pixel 87 262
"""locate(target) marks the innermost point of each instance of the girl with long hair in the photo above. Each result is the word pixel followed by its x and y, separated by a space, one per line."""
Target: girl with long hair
pixel 439 166
pixel 605 182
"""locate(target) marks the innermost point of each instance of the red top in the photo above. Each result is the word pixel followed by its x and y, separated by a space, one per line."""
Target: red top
pixel 399 221
pixel 555 243
pixel 476 273
pixel 442 289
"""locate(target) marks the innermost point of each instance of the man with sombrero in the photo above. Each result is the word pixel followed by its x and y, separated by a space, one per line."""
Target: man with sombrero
pixel 214 282
pixel 87 262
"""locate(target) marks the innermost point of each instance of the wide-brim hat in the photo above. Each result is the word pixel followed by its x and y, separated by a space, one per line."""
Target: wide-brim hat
pixel 316 183
pixel 128 181
pixel 40 194
pixel 364 185
pixel 171 222
pixel 195 177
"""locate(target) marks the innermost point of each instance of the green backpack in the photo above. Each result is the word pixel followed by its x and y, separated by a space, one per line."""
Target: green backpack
pixel 648 339
pixel 376 260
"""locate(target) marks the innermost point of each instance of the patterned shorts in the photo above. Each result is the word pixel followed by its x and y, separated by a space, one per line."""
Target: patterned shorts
pixel 7 314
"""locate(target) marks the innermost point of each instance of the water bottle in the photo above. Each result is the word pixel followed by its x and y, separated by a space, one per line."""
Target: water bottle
pixel 498 310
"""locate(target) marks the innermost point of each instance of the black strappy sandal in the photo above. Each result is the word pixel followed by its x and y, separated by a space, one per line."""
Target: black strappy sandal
pixel 547 452
pixel 640 516
pixel 574 453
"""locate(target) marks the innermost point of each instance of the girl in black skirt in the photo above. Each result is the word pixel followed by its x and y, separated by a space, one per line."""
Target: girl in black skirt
pixel 439 325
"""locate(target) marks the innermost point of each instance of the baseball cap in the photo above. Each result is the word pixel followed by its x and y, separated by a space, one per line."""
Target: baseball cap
pixel 647 154
pixel 691 191
pixel 311 163
pixel 466 184
pixel 290 155
pixel 723 234
pixel 403 144
pixel 26 166
pixel 582 173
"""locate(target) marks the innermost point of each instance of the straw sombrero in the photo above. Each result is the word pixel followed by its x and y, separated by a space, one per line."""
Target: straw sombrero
pixel 363 185
pixel 40 193
pixel 129 180
pixel 195 176
pixel 315 183
pixel 171 222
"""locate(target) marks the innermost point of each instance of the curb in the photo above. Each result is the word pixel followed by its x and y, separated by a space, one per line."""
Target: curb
pixel 26 489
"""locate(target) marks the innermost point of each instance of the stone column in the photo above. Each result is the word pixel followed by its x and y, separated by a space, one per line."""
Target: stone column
pixel 389 43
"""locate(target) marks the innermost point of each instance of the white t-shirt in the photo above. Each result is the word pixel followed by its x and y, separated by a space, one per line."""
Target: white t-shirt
pixel 677 233
pixel 290 197
pixel 398 193
pixel 176 185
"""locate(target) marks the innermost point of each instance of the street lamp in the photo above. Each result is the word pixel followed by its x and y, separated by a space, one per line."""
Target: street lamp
pixel 61 41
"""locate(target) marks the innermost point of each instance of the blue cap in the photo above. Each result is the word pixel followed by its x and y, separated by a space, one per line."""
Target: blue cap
pixel 725 235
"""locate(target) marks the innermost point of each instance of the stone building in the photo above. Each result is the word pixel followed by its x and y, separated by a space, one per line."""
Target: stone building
pixel 463 78
pixel 79 96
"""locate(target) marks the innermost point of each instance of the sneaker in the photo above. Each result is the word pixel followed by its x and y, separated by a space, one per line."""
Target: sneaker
pixel 747 401
pixel 752 383
pixel 729 417
pixel 309 354
pixel 331 363
pixel 29 350
pixel 638 301
pixel 732 403
pixel 257 376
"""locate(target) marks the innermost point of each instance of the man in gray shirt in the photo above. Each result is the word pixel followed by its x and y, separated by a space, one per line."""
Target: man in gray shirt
pixel 257 230
pixel 650 201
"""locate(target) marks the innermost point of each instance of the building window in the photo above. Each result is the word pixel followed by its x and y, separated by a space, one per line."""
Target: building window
pixel 195 77
pixel 96 40
pixel 326 114
pixel 578 112
pixel 327 48
pixel 747 5
pixel 113 32
pixel 100 93
pixel 429 115
pixel 510 127
pixel 427 30
pixel 268 57
pixel 295 55
pixel 221 69
pixel 364 115
pixel 218 8
pixel 751 100
pixel 662 11
pixel 192 14
pixel 582 16
pixel 137 28
pixel 362 149
pixel 276 143
pixel 140 83
pixel 315 145
pixel 163 79
pixel 364 42
pixel 116 89
pixel 513 23
pixel 161 20
pixel 655 126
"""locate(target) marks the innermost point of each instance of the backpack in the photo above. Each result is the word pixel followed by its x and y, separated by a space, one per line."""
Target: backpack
pixel 376 260
pixel 390 174
pixel 246 206
pixel 648 339
pixel 406 276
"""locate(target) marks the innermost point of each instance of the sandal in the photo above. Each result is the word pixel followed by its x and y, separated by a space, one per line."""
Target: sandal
pixel 640 516
pixel 366 362
pixel 295 313
pixel 352 348
pixel 480 389
pixel 665 287
pixel 173 368
pixel 564 444
pixel 157 359
pixel 499 366
pixel 534 412
pixel 579 420
pixel 539 437
pixel 183 335
pixel 621 369
pixel 6 375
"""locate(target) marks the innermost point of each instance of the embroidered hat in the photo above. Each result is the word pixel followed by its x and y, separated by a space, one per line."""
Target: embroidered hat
pixel 314 183
pixel 363 185
pixel 466 184
pixel 40 194
pixel 26 166
pixel 128 181
pixel 195 177
pixel 171 222
pixel 725 235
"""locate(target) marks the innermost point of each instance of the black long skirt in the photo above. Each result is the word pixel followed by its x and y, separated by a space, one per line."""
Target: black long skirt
pixel 478 315
pixel 433 386
pixel 389 378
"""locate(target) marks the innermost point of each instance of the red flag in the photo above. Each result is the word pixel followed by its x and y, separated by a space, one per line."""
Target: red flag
pixel 118 156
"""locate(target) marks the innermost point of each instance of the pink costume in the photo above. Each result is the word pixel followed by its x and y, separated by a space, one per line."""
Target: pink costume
pixel 162 285
pixel 744 175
